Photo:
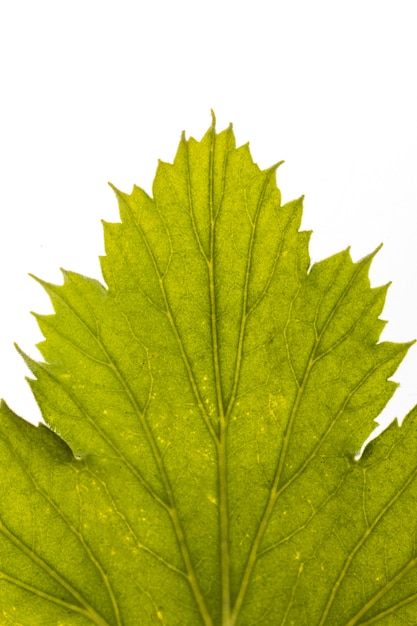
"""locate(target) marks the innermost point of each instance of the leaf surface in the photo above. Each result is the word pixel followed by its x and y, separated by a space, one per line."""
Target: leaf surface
pixel 203 413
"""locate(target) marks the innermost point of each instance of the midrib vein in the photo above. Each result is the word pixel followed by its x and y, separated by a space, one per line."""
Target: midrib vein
pixel 222 440
pixel 229 616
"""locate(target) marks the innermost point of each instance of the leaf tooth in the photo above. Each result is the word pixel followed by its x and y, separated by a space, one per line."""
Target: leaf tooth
pixel 115 189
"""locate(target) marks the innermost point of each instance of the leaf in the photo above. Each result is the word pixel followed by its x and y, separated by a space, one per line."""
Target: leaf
pixel 204 411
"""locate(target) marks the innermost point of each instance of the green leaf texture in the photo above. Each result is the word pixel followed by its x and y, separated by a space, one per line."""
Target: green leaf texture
pixel 203 414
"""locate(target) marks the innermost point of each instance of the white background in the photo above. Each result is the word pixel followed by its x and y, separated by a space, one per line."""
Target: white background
pixel 93 91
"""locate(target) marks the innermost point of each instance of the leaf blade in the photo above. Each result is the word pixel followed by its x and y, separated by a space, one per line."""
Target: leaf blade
pixel 213 397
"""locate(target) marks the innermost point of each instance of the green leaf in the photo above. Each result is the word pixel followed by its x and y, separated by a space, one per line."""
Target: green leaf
pixel 204 411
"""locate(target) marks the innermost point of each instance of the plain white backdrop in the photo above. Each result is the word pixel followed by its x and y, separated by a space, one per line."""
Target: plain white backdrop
pixel 92 91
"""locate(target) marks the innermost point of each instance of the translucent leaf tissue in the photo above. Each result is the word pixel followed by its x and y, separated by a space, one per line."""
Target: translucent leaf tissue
pixel 202 411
